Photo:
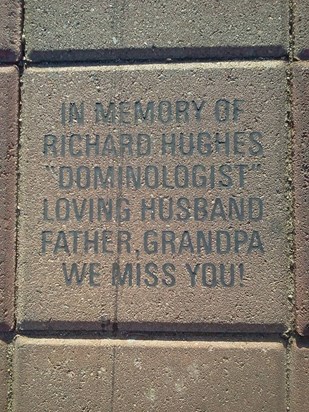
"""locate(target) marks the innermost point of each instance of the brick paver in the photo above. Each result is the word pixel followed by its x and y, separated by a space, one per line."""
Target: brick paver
pixel 301 30
pixel 62 30
pixel 60 375
pixel 3 376
pixel 299 380
pixel 8 146
pixel 166 185
pixel 301 186
pixel 10 30
pixel 142 376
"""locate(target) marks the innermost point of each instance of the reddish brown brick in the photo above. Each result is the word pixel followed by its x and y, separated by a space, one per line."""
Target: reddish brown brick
pixel 299 381
pixel 99 375
pixel 59 375
pixel 199 376
pixel 3 376
pixel 9 84
pixel 301 30
pixel 10 30
pixel 52 203
pixel 301 182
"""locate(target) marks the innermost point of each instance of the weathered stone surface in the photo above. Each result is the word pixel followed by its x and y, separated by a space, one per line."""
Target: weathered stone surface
pixel 299 378
pixel 229 208
pixel 3 376
pixel 301 185
pixel 63 30
pixel 199 376
pixel 59 375
pixel 10 30
pixel 301 29
pixel 99 375
pixel 9 83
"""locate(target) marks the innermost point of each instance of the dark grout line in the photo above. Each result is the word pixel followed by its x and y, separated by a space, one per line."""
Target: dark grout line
pixel 11 336
pixel 133 62
pixel 287 340
pixel 291 200
pixel 164 336
pixel 291 54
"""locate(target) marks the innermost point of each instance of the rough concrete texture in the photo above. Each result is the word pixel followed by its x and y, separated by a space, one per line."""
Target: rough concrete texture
pixel 143 281
pixel 3 376
pixel 10 30
pixel 301 183
pixel 299 377
pixel 59 375
pixel 301 29
pixel 106 375
pixel 9 84
pixel 94 30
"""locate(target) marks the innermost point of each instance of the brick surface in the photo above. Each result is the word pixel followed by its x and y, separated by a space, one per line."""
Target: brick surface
pixel 301 181
pixel 143 282
pixel 62 30
pixel 301 30
pixel 62 375
pixel 199 376
pixel 8 146
pixel 299 381
pixel 10 30
pixel 3 376
pixel 141 376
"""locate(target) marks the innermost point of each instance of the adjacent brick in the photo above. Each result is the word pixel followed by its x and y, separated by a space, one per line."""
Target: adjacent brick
pixel 199 376
pixel 9 84
pixel 134 285
pixel 301 30
pixel 301 183
pixel 3 376
pixel 299 378
pixel 10 30
pixel 62 30
pixel 58 375
pixel 97 375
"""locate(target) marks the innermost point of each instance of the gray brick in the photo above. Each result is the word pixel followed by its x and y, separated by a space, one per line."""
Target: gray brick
pixel 256 301
pixel 64 30
pixel 301 28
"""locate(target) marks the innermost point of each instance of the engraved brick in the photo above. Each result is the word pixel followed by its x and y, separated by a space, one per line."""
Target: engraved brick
pixel 301 30
pixel 199 376
pixel 229 208
pixel 62 30
pixel 8 146
pixel 58 375
pixel 10 30
pixel 301 182
pixel 299 376
pixel 3 376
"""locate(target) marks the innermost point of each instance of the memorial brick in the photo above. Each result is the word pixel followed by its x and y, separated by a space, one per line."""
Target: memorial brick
pixel 10 30
pixel 301 186
pixel 154 197
pixel 63 30
pixel 9 106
